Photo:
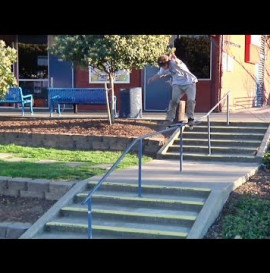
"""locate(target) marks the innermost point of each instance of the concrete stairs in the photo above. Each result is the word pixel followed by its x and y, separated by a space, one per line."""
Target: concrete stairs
pixel 163 212
pixel 238 141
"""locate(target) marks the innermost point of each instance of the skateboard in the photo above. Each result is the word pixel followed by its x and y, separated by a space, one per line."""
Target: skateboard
pixel 183 123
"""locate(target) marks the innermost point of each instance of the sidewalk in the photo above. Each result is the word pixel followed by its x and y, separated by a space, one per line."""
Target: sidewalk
pixel 251 114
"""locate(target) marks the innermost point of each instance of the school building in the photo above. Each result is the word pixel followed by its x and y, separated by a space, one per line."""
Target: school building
pixel 222 63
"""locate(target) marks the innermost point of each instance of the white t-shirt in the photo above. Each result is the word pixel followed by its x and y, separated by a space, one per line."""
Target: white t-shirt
pixel 180 73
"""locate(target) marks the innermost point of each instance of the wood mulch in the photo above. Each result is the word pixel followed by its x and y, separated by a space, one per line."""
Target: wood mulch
pixel 80 126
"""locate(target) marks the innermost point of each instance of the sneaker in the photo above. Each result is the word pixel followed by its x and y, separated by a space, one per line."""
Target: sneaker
pixel 190 122
pixel 168 122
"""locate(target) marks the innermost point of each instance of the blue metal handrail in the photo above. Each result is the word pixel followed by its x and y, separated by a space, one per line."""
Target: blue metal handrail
pixel 139 140
pixel 208 118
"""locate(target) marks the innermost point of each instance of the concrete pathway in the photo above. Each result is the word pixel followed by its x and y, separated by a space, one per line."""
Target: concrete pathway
pixel 218 175
pixel 255 114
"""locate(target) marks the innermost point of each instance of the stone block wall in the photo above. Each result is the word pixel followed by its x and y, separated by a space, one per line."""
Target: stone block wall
pixel 33 188
pixel 80 142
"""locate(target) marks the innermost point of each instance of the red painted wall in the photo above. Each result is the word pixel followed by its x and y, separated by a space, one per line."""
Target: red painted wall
pixel 207 90
pixel 252 52
pixel 203 96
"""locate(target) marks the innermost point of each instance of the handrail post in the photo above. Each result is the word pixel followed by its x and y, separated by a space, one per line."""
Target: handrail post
pixel 181 148
pixel 228 108
pixel 140 169
pixel 90 233
pixel 208 129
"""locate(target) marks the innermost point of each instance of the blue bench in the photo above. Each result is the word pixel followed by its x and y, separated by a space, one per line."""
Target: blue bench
pixel 92 96
pixel 15 95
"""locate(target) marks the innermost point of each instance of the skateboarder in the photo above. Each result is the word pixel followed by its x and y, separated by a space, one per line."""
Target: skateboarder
pixel 183 82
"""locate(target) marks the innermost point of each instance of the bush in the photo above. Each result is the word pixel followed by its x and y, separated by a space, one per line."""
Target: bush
pixel 249 219
pixel 266 160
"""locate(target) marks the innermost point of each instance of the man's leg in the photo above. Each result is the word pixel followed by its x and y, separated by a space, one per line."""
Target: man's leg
pixel 177 94
pixel 191 100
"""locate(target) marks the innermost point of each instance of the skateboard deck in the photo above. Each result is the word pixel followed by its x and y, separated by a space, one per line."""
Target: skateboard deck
pixel 182 124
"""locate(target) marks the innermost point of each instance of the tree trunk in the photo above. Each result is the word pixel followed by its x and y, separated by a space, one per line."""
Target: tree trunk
pixel 112 98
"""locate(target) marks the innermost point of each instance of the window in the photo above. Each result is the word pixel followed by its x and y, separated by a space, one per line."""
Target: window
pixel 256 40
pixel 33 66
pixel 195 52
pixel 98 76
pixel 33 57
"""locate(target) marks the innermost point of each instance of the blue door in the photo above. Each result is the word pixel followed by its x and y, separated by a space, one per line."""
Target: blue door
pixel 61 73
pixel 157 94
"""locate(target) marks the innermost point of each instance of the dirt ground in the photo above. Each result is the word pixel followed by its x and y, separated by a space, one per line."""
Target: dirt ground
pixel 25 210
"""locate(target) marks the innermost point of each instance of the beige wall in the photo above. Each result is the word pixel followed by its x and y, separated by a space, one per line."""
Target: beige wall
pixel 238 76
pixel 267 72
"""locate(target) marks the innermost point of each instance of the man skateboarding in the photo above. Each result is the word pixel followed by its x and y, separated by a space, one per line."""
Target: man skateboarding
pixel 183 82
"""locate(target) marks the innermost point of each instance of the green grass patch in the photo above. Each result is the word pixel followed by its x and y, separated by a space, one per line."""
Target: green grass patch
pixel 55 171
pixel 61 170
pixel 94 157
pixel 248 218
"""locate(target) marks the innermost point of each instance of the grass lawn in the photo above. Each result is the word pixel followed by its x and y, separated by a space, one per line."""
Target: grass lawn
pixel 30 167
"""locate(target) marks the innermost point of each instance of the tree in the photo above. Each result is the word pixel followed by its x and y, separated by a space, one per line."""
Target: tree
pixel 110 53
pixel 8 56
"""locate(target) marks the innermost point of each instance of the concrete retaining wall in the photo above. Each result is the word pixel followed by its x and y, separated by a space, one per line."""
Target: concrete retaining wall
pixel 27 187
pixel 80 142
pixel 33 188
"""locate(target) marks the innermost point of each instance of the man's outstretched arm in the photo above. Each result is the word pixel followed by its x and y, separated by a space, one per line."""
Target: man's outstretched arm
pixel 154 78
pixel 173 57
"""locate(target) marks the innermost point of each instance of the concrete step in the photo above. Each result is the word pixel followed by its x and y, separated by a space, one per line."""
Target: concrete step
pixel 68 235
pixel 130 216
pixel 236 123
pixel 150 195
pixel 219 142
pixel 150 190
pixel 214 149
pixel 212 157
pixel 223 135
pixel 230 128
pixel 61 235
pixel 147 210
pixel 116 229
pixel 141 202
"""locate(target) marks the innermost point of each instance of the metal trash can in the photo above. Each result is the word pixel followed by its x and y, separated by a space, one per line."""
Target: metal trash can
pixel 131 103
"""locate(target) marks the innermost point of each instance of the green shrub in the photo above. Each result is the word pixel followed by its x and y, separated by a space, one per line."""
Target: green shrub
pixel 266 160
pixel 249 219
